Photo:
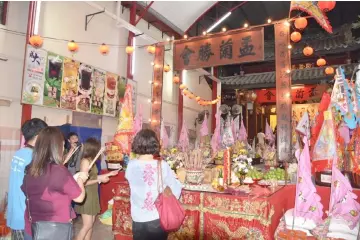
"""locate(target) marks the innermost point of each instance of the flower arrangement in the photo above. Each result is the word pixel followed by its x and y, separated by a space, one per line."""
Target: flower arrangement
pixel 241 166
pixel 173 158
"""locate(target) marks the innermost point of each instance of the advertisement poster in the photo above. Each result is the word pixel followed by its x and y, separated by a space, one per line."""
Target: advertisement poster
pixel 97 97
pixel 83 100
pixel 53 79
pixel 121 93
pixel 69 86
pixel 110 94
pixel 34 76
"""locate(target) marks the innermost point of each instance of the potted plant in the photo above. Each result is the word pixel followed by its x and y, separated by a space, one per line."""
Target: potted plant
pixel 221 178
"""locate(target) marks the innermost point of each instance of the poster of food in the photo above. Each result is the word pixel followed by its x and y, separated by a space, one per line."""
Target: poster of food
pixel 97 97
pixel 121 92
pixel 53 79
pixel 110 94
pixel 35 64
pixel 69 86
pixel 83 100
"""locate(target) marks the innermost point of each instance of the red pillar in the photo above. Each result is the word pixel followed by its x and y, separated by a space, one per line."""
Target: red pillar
pixel 132 21
pixel 27 108
pixel 214 96
pixel 180 106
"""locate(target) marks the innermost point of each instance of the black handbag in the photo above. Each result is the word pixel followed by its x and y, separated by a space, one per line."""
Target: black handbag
pixel 46 230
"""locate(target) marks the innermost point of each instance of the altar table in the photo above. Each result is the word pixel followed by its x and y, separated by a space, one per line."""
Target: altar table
pixel 219 216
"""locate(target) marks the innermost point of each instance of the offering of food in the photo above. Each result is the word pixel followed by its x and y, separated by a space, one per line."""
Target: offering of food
pixel 248 180
pixel 275 174
pixel 255 174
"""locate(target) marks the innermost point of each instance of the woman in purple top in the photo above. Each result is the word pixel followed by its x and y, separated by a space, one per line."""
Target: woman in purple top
pixel 48 184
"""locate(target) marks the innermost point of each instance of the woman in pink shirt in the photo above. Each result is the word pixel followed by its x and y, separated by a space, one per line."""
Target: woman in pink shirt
pixel 48 185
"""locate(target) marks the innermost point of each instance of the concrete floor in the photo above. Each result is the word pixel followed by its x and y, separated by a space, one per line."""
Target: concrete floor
pixel 101 231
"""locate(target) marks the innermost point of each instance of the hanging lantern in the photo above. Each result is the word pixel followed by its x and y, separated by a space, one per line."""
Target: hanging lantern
pixel 191 96
pixel 198 98
pixel 185 92
pixel 329 71
pixel 176 79
pixel 166 68
pixel 104 49
pixel 308 51
pixel 326 6
pixel 213 102
pixel 295 36
pixel 73 46
pixel 253 96
pixel 36 41
pixel 321 62
pixel 151 49
pixel 129 49
pixel 300 23
pixel 182 86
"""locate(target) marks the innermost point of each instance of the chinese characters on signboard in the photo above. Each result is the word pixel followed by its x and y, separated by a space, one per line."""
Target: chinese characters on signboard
pixel 300 94
pixel 283 91
pixel 157 89
pixel 220 49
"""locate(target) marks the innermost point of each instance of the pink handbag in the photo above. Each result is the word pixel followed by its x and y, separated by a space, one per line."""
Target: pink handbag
pixel 170 211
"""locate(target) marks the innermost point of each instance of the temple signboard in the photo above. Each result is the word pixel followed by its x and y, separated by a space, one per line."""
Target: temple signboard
pixel 220 49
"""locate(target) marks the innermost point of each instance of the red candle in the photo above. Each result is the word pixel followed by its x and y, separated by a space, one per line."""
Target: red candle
pixel 227 167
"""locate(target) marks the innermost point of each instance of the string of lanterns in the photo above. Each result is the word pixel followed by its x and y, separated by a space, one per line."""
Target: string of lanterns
pixel 301 23
pixel 186 92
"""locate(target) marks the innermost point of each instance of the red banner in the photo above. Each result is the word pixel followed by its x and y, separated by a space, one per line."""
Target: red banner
pixel 298 94
pixel 283 91
pixel 157 89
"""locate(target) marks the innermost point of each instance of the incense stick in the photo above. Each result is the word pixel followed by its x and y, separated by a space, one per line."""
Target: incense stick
pixel 70 155
pixel 96 157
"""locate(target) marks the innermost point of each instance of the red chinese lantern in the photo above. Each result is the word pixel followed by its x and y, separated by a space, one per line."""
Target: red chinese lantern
pixel 104 49
pixel 326 6
pixel 329 71
pixel 129 49
pixel 151 49
pixel 182 86
pixel 166 68
pixel 300 23
pixel 73 46
pixel 36 41
pixel 308 51
pixel 321 62
pixel 295 36
pixel 176 79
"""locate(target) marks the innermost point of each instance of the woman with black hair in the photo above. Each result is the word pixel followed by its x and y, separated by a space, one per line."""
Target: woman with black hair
pixel 142 175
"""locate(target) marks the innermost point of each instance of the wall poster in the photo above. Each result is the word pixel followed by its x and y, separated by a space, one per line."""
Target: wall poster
pixel 33 87
pixel 53 79
pixel 69 86
pixel 85 85
pixel 97 100
pixel 110 94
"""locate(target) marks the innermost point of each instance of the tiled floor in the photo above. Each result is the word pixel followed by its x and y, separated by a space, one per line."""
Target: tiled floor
pixel 101 231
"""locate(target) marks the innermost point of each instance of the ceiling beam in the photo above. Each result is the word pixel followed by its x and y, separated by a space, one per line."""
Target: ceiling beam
pixel 141 15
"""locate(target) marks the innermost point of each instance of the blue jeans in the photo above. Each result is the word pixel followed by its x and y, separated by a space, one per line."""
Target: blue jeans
pixel 27 237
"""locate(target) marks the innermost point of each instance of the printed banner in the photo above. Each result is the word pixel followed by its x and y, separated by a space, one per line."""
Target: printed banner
pixel 97 97
pixel 110 94
pixel 34 76
pixel 298 94
pixel 283 91
pixel 157 89
pixel 53 79
pixel 298 110
pixel 133 83
pixel 83 100
pixel 121 87
pixel 220 49
pixel 69 86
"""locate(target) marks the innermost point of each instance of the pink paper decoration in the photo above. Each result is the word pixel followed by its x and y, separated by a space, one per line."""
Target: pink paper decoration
pixel 216 138
pixel 204 130
pixel 243 133
pixel 303 126
pixel 184 138
pixel 269 135
pixel 228 138
pixel 236 127
pixel 307 201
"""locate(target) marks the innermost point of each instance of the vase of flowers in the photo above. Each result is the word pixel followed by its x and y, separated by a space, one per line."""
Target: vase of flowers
pixel 242 165
pixel 221 178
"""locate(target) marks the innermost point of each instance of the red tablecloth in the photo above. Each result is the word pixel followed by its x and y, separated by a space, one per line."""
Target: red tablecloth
pixel 220 216
pixel 107 190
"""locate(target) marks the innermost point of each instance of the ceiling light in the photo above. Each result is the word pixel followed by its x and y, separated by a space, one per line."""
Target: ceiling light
pixel 287 23
pixel 246 25
pixel 168 39
pixel 185 36
pixel 224 29
pixel 289 46
pixel 269 20
pixel 152 63
pixel 218 22
pixel 288 71
pixel 204 33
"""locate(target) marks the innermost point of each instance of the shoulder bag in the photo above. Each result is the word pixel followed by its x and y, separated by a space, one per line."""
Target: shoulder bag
pixel 170 211
pixel 46 230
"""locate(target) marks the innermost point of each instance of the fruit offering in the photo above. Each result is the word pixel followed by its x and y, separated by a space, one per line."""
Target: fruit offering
pixel 255 174
pixel 275 174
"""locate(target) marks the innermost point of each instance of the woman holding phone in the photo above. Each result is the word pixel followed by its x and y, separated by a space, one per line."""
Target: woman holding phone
pixel 90 207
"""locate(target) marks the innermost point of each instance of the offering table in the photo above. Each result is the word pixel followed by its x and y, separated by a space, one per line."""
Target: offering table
pixel 212 215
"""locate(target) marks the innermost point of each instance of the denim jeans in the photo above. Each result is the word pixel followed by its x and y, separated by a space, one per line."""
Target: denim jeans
pixel 148 231
pixel 27 237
